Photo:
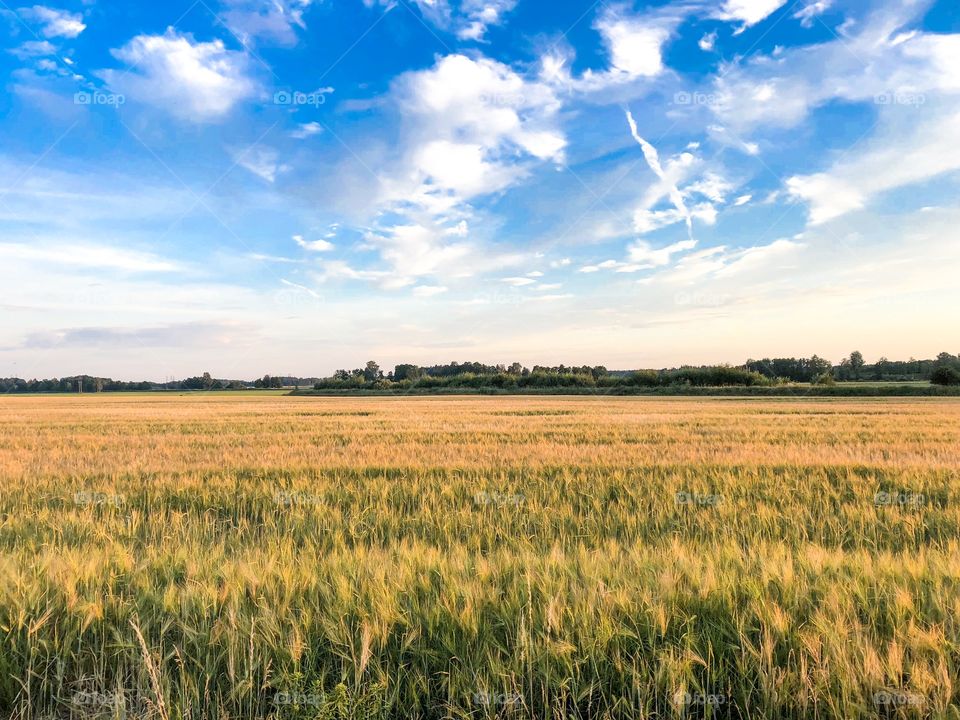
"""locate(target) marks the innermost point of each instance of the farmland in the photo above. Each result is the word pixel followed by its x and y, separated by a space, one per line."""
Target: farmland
pixel 236 556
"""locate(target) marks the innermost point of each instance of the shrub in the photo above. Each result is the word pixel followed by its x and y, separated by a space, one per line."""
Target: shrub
pixel 945 375
pixel 824 379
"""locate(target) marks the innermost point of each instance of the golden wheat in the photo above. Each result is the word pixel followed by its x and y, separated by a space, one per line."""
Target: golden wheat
pixel 218 556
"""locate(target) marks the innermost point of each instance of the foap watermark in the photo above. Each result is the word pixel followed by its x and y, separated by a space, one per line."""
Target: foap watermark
pixel 510 100
pixel 489 699
pixel 899 499
pixel 498 297
pixel 696 499
pixel 498 499
pixel 696 98
pixel 296 499
pixel 295 98
pixel 701 299
pixel 689 700
pixel 293 298
pixel 900 98
pixel 120 701
pixel 99 98
pixel 300 699
pixel 889 699
pixel 84 498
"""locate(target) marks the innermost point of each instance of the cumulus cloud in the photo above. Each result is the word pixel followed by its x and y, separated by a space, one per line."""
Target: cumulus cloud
pixel 747 12
pixel 634 46
pixel 199 81
pixel 480 15
pixel 54 22
pixel 472 127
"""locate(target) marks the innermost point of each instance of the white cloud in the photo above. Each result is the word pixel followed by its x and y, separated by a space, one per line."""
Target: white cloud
pixel 742 200
pixel 481 14
pixel 653 161
pixel 748 12
pixel 878 64
pixel 298 286
pixel 518 281
pixel 634 45
pixel 811 10
pixel 471 127
pixel 907 151
pixel 262 162
pixel 306 130
pixel 313 245
pixel 757 257
pixel 53 22
pixel 428 290
pixel 199 81
pixel 643 253
pixel 33 48
pixel 468 19
pixel 708 41
pixel 272 20
pixel 415 250
pixel 89 256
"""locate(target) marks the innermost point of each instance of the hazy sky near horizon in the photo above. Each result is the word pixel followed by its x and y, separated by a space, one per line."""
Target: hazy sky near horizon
pixel 293 186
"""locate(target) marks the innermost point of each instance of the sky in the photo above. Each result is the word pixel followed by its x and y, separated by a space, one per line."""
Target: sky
pixel 294 186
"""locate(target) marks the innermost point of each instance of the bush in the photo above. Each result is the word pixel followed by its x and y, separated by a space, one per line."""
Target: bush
pixel 945 375
pixel 643 378
pixel 824 379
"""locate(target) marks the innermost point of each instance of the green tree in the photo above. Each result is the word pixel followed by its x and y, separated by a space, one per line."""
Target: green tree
pixel 406 371
pixel 371 373
pixel 856 363
pixel 945 375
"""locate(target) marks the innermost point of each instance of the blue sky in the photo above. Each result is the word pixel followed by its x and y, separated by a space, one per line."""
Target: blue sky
pixel 291 186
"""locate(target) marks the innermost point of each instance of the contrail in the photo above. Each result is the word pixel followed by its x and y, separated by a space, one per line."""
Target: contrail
pixel 653 160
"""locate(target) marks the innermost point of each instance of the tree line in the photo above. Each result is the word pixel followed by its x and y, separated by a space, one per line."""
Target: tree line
pixel 942 370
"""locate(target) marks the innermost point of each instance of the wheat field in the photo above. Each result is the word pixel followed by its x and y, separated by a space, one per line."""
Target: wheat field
pixel 236 556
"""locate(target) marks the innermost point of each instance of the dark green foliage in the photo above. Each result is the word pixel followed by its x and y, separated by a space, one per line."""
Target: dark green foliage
pixel 946 375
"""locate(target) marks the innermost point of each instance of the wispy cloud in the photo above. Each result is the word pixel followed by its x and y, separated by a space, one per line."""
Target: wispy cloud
pixel 53 22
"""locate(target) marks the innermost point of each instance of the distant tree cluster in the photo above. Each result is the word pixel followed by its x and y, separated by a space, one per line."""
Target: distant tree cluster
pixel 793 369
pixel 477 375
pixel 92 384
pixel 76 383
pixel 943 370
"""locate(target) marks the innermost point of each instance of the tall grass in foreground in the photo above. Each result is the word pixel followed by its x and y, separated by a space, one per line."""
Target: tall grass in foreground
pixel 208 557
